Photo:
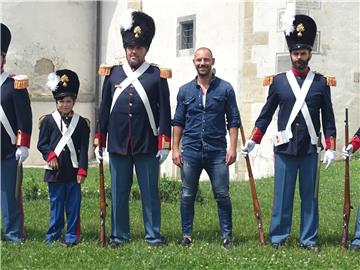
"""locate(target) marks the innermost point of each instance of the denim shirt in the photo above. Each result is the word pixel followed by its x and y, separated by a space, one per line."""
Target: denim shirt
pixel 204 128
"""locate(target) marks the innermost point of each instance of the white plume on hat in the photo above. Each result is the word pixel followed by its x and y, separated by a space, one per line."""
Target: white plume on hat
pixel 288 18
pixel 126 19
pixel 53 81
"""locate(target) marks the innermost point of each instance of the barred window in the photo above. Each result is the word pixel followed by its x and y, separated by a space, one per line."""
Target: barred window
pixel 186 35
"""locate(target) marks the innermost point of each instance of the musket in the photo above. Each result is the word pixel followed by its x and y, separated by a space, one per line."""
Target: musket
pixel 102 233
pixel 347 204
pixel 256 204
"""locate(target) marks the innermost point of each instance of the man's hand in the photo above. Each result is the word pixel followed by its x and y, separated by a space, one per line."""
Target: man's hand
pixel 347 151
pixel 21 153
pixel 247 148
pixel 80 179
pixel 162 155
pixel 53 163
pixel 329 158
pixel 177 157
pixel 230 157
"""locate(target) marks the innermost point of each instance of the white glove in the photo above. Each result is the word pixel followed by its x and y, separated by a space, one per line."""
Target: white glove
pixel 329 157
pixel 247 148
pixel 162 155
pixel 22 153
pixel 97 154
pixel 347 151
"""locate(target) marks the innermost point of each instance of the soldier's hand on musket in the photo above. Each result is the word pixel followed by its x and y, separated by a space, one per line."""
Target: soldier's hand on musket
pixel 177 157
pixel 347 151
pixel 162 154
pixel 247 148
pixel 329 158
pixel 21 153
pixel 53 163
pixel 97 154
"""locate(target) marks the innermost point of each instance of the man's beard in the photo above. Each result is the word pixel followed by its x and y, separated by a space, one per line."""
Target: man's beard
pixel 300 65
pixel 204 73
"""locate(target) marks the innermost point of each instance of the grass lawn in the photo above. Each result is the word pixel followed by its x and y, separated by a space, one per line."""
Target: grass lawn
pixel 206 252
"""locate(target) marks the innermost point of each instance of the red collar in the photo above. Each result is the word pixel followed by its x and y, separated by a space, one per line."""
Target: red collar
pixel 298 74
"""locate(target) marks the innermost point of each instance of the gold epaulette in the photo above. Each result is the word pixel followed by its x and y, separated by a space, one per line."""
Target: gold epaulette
pixel 268 80
pixel 41 119
pixel 105 70
pixel 330 80
pixel 87 121
pixel 165 73
pixel 21 82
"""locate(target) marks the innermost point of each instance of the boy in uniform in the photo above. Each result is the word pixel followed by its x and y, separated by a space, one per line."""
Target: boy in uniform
pixel 63 142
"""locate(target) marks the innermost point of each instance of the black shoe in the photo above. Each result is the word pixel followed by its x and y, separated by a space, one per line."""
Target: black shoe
pixel 117 243
pixel 277 245
pixel 186 241
pixel 69 245
pixel 157 244
pixel 227 242
pixel 354 247
pixel 312 247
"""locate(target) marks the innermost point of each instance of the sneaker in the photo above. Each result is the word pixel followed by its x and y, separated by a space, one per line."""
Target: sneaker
pixel 186 241
pixel 355 247
pixel 227 242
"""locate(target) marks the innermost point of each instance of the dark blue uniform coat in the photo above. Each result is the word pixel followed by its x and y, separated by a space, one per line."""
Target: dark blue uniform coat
pixel 318 99
pixel 49 137
pixel 128 127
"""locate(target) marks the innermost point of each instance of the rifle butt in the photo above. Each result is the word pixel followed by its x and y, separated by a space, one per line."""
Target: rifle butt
pixel 102 232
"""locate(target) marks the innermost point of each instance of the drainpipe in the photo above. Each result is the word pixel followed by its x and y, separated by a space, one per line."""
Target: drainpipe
pixel 97 61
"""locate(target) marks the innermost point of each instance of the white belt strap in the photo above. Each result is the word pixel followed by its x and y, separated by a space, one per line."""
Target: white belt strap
pixel 3 77
pixel 141 91
pixel 7 126
pixel 300 104
pixel 66 138
pixel 4 120
pixel 131 77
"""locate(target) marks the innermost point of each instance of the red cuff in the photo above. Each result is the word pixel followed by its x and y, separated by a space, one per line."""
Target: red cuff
pixel 164 142
pixel 330 143
pixel 51 156
pixel 82 172
pixel 22 139
pixel 257 135
pixel 99 140
pixel 355 143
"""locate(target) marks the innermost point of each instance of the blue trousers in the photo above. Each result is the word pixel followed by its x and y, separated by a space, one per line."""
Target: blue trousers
pixel 286 170
pixel 147 171
pixel 11 207
pixel 218 171
pixel 356 239
pixel 64 196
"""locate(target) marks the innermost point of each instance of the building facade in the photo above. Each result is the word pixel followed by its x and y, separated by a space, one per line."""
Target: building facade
pixel 245 38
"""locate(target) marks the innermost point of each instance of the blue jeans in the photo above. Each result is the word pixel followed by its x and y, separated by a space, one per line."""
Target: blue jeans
pixel 147 171
pixel 218 171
